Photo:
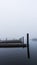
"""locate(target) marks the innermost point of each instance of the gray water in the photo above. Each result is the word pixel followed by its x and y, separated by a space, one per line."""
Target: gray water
pixel 18 56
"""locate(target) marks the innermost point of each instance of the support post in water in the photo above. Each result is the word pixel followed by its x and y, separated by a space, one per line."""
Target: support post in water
pixel 28 45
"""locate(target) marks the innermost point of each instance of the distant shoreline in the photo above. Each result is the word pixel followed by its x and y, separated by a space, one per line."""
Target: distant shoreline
pixel 34 39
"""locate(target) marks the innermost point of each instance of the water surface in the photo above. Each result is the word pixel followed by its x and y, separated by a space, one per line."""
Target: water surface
pixel 18 56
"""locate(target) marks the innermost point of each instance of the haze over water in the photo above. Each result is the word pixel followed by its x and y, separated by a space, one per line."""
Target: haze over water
pixel 17 18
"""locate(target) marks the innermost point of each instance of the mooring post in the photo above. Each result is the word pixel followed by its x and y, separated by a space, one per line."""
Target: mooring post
pixel 28 45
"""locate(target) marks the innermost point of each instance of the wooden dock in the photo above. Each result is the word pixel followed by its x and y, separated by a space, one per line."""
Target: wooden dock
pixel 15 44
pixel 9 45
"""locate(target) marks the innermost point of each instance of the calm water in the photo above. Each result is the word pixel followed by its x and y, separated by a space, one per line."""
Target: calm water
pixel 18 56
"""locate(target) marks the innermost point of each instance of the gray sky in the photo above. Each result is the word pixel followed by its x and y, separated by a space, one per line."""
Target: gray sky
pixel 17 17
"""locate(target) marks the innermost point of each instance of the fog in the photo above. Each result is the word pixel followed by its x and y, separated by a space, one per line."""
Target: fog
pixel 17 18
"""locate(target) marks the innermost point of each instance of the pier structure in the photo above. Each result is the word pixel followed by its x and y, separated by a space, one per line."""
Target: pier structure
pixel 16 43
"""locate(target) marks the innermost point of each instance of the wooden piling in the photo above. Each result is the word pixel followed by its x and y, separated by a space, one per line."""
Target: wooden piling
pixel 28 45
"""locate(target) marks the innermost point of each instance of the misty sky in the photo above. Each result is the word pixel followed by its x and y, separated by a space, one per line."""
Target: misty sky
pixel 17 18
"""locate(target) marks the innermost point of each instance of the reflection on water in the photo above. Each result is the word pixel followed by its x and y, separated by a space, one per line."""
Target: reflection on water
pixel 18 56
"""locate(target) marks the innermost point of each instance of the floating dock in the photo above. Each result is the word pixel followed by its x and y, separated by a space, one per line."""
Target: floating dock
pixel 16 43
pixel 9 45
